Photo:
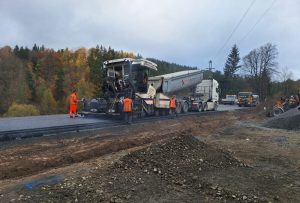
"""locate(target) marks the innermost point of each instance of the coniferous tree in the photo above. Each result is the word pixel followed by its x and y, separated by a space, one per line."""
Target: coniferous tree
pixel 59 85
pixel 31 85
pixel 232 63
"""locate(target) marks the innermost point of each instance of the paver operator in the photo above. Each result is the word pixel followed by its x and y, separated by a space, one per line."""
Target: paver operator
pixel 73 104
pixel 127 109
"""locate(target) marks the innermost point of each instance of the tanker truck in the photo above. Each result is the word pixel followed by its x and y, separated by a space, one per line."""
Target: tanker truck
pixel 151 95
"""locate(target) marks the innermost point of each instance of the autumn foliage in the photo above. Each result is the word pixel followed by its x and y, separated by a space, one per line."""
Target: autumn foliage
pixel 43 78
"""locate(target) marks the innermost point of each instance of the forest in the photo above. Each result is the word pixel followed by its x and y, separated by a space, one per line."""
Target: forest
pixel 38 81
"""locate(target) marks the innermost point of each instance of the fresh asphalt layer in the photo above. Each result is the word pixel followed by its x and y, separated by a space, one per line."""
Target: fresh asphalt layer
pixel 33 122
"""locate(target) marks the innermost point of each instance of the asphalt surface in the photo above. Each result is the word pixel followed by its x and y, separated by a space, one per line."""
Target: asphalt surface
pixel 33 122
pixel 20 123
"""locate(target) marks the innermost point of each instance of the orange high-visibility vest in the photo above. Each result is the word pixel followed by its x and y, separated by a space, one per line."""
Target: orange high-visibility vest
pixel 172 103
pixel 127 105
pixel 73 98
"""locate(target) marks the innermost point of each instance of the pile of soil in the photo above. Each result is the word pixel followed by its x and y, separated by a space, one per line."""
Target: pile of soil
pixel 289 120
pixel 173 170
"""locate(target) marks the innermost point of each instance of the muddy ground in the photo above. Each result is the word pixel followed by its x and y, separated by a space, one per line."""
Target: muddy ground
pixel 225 157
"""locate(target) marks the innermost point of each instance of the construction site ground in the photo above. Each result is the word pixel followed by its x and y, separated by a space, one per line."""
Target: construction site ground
pixel 223 157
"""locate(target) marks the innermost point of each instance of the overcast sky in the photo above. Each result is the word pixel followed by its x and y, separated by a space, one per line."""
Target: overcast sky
pixel 187 32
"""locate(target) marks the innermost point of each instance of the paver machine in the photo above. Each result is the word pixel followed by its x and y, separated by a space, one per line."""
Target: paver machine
pixel 124 77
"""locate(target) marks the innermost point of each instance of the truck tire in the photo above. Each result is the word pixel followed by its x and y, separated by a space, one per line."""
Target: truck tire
pixel 215 106
pixel 178 108
pixel 277 111
pixel 185 107
pixel 204 107
pixel 199 107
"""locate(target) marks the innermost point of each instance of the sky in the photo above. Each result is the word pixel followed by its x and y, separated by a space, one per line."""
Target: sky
pixel 186 32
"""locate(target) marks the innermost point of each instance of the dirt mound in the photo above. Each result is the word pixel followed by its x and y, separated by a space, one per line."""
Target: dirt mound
pixel 171 171
pixel 289 120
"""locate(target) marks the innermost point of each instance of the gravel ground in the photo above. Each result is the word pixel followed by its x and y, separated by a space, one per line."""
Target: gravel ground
pixel 289 120
pixel 189 159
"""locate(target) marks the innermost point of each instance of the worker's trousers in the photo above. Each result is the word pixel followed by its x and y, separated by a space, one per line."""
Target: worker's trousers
pixel 173 112
pixel 128 117
pixel 73 110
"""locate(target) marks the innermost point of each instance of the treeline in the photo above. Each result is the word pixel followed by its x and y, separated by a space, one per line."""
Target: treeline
pixel 39 80
pixel 166 67
pixel 258 71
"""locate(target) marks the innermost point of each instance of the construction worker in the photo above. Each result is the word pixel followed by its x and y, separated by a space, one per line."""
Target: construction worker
pixel 127 109
pixel 73 104
pixel 173 105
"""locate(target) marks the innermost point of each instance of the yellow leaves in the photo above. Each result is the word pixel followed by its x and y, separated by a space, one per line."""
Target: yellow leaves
pixel 16 110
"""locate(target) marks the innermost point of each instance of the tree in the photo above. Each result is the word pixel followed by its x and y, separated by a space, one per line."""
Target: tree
pixel 13 86
pixel 47 104
pixel 232 63
pixel 229 83
pixel 260 64
pixel 32 85
pixel 59 85
pixel 95 61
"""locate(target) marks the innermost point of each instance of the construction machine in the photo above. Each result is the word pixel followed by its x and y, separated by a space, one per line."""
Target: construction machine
pixel 247 99
pixel 151 95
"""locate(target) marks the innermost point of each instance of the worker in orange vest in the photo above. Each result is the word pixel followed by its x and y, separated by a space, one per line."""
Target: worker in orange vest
pixel 173 105
pixel 127 109
pixel 73 104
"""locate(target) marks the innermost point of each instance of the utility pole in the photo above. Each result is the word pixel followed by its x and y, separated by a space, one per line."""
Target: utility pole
pixel 210 77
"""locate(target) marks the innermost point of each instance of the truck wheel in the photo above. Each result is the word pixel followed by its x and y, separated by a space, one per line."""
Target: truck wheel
pixel 185 108
pixel 156 112
pixel 205 107
pixel 277 111
pixel 178 108
pixel 199 107
pixel 215 106
pixel 167 111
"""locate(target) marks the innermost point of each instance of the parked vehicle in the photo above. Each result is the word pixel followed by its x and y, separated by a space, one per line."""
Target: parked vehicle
pixel 229 99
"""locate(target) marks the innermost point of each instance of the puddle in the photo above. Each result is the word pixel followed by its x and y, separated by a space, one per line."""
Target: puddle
pixel 43 181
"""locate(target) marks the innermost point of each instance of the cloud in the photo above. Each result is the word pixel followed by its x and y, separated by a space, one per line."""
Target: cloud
pixel 188 32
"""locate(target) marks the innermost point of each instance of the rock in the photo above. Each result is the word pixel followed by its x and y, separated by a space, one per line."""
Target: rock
pixel 244 197
pixel 155 170
pixel 233 196
pixel 116 200
pixel 76 200
pixel 276 198
pixel 99 191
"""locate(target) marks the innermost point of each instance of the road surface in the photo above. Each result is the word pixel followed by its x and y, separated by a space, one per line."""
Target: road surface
pixel 20 123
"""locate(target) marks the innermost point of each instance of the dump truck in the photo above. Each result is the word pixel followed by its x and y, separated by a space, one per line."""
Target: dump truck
pixel 151 95
pixel 247 99
pixel 192 92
